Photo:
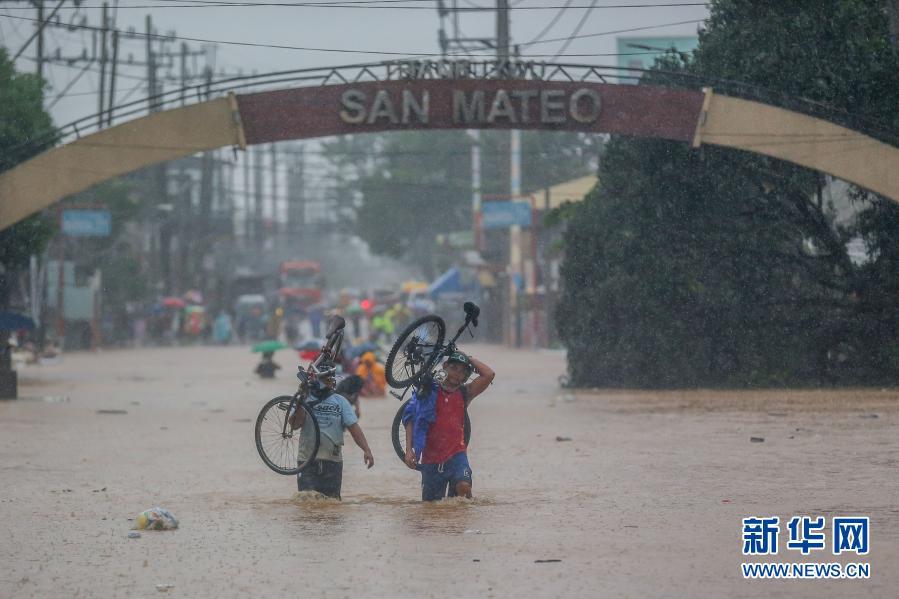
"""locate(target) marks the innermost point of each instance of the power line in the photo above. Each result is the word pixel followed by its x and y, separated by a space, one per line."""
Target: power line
pixel 361 4
pixel 375 52
pixel 63 63
pixel 577 30
pixel 549 25
pixel 613 32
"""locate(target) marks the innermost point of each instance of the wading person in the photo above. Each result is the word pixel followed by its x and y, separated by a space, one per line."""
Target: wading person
pixel 435 427
pixel 350 388
pixel 335 415
pixel 267 367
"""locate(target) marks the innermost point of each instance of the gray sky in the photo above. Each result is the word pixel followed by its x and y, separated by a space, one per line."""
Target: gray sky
pixel 398 28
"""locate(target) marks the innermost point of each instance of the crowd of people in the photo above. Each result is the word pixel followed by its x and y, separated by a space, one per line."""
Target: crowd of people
pixel 179 321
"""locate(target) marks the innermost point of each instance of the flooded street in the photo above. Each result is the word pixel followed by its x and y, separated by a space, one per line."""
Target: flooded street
pixel 603 493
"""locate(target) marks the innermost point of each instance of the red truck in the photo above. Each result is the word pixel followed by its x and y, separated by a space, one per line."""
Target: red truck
pixel 301 283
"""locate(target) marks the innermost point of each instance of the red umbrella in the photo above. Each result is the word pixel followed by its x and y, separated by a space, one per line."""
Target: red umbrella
pixel 309 354
pixel 173 302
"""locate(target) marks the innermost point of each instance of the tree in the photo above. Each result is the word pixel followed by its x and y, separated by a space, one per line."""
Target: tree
pixel 717 267
pixel 406 188
pixel 25 130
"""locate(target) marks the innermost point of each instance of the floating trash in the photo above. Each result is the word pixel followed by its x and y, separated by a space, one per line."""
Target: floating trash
pixel 155 519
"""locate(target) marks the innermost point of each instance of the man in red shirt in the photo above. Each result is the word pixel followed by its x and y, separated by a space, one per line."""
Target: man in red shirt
pixel 439 408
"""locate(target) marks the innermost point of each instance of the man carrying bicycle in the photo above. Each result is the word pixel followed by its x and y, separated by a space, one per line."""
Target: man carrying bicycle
pixel 435 427
pixel 334 414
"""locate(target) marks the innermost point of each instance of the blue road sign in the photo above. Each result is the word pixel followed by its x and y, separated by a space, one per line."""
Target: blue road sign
pixel 86 223
pixel 502 215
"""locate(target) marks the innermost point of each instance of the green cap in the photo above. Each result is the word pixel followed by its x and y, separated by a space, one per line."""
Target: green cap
pixel 459 357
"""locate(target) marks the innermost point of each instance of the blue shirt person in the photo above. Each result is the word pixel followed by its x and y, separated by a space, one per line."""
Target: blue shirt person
pixel 334 415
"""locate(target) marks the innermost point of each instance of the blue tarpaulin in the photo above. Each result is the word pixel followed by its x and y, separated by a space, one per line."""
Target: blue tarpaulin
pixel 448 282
pixel 454 281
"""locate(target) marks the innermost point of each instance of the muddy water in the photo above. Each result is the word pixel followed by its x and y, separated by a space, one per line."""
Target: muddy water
pixel 642 496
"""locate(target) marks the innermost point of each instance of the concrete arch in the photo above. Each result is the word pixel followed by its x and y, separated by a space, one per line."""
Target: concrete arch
pixel 373 106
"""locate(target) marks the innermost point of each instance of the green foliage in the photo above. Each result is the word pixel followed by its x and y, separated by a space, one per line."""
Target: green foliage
pixel 421 189
pixel 23 239
pixel 719 267
pixel 22 122
pixel 406 188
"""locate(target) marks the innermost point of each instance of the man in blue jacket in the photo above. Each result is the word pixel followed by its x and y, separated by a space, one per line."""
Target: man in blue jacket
pixel 435 427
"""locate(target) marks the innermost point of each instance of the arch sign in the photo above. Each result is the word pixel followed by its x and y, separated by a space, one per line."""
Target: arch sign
pixel 417 95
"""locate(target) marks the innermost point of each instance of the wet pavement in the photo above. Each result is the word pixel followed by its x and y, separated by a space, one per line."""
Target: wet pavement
pixel 603 493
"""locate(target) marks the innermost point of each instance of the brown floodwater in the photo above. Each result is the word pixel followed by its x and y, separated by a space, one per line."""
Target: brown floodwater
pixel 605 493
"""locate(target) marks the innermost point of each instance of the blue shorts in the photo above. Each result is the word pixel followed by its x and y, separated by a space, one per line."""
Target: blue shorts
pixel 439 480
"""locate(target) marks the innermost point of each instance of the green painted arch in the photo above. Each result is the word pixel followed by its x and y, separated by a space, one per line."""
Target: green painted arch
pixel 307 112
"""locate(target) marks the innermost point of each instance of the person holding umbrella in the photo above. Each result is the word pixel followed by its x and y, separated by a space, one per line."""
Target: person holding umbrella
pixel 267 367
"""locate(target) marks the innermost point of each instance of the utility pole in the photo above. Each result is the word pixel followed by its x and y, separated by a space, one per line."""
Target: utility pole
pixel 103 58
pixel 258 229
pixel 502 30
pixel 514 153
pixel 40 38
pixel 112 74
pixel 248 209
pixel 160 175
pixel 151 67
pixel 296 201
pixel 183 73
pixel 455 43
pixel 274 203
pixel 39 34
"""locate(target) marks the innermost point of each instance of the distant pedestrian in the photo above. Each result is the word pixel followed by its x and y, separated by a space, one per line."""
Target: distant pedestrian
pixel 221 329
pixel 374 382
pixel 315 314
pixel 267 367
pixel 350 388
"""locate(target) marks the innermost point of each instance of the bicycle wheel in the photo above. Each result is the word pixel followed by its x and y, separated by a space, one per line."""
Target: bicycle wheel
pixel 414 351
pixel 277 444
pixel 398 432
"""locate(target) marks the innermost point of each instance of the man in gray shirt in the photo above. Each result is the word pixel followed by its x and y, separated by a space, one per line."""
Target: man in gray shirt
pixel 335 415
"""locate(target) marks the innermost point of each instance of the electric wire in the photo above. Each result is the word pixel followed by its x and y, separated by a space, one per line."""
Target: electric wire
pixel 577 30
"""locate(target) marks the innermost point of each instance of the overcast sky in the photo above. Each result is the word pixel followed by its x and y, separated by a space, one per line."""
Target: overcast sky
pixel 405 26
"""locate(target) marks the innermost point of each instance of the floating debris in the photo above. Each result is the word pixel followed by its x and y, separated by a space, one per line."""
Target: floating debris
pixel 156 519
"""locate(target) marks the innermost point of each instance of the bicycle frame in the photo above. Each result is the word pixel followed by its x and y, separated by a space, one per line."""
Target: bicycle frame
pixel 329 349
pixel 439 352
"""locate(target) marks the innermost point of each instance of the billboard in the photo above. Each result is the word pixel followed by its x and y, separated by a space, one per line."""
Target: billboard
pixel 641 52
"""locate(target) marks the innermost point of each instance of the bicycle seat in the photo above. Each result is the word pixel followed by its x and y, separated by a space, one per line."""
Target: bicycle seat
pixel 335 325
